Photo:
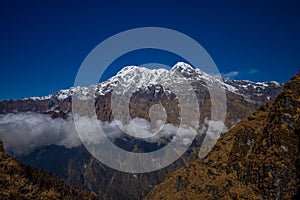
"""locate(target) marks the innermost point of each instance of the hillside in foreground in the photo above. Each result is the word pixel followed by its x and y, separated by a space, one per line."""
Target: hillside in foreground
pixel 257 159
pixel 18 181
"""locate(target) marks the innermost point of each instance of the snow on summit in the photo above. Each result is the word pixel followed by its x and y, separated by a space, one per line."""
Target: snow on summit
pixel 142 77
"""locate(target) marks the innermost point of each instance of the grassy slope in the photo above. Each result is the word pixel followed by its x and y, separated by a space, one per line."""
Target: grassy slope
pixel 257 159
pixel 18 181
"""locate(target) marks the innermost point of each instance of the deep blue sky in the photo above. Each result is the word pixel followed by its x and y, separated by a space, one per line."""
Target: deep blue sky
pixel 43 43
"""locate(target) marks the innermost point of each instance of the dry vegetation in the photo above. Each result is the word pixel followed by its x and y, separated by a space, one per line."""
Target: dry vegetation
pixel 257 159
pixel 18 181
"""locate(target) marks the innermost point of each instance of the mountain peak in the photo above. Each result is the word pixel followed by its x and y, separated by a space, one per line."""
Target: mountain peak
pixel 183 67
pixel 179 66
pixel 188 71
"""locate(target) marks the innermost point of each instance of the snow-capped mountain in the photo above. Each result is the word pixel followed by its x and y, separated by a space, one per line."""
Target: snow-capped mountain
pixel 152 86
pixel 141 78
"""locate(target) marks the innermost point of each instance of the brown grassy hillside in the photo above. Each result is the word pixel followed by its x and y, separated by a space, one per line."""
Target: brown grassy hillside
pixel 257 159
pixel 18 181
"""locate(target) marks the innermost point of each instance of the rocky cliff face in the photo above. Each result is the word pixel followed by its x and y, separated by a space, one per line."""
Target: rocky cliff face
pixel 18 181
pixel 257 159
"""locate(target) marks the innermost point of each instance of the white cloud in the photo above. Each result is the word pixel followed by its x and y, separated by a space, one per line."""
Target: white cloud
pixel 22 133
pixel 230 74
pixel 253 71
pixel 212 128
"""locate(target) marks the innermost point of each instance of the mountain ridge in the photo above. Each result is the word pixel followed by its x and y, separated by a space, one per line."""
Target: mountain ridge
pixel 128 71
pixel 86 172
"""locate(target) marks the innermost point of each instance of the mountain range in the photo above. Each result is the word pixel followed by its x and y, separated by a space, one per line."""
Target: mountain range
pixel 74 164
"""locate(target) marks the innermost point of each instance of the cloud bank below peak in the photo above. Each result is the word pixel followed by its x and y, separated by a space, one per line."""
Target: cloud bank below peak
pixel 22 133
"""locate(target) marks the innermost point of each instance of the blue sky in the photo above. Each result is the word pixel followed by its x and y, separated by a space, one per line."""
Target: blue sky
pixel 43 43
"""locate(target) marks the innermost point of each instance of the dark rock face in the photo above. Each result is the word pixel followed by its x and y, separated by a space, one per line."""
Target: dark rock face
pixel 258 92
pixel 257 159
pixel 53 107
